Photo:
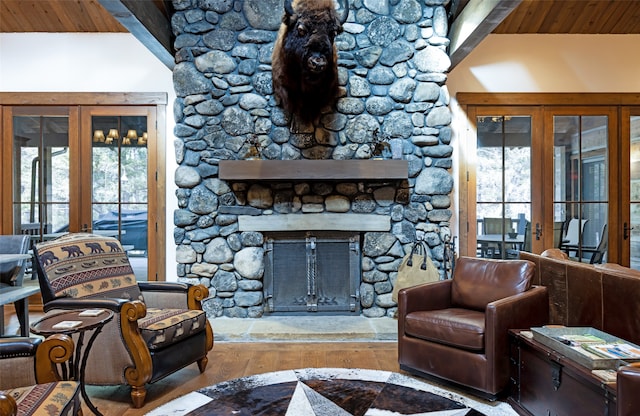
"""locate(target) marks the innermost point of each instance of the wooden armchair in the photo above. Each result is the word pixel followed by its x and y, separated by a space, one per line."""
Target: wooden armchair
pixel 30 383
pixel 158 327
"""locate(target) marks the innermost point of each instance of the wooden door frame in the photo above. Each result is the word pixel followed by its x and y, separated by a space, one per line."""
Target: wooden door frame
pixel 77 103
pixel 468 197
pixel 613 168
pixel 618 210
pixel 625 182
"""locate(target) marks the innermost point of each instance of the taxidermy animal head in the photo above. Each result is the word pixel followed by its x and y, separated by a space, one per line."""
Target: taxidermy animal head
pixel 304 60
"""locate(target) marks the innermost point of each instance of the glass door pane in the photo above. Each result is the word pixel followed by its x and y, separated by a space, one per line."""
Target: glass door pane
pixel 120 189
pixel 503 185
pixel 580 163
pixel 634 204
pixel 41 175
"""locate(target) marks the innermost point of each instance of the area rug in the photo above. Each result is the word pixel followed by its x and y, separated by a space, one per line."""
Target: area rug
pixel 328 392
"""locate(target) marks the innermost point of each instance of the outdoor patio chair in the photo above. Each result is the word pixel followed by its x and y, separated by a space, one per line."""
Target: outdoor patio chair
pixel 12 274
pixel 571 239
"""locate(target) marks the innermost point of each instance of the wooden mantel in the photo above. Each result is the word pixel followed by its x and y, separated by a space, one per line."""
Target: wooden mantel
pixel 314 169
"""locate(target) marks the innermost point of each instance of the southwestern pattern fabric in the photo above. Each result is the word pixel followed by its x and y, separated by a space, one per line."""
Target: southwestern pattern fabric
pixel 163 327
pixel 87 265
pixel 45 399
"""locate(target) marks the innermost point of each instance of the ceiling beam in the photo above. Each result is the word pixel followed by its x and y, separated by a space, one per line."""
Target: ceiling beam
pixel 474 23
pixel 147 23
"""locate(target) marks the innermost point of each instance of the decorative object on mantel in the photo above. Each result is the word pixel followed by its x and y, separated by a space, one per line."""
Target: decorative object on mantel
pixel 254 150
pixel 380 145
pixel 305 71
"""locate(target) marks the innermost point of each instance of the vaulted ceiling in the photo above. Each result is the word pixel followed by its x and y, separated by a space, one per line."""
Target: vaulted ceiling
pixel 471 20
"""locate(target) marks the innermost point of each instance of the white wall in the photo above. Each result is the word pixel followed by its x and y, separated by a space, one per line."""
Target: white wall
pixel 92 62
pixel 550 63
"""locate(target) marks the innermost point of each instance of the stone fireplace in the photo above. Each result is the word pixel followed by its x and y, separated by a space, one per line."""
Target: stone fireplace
pixel 280 216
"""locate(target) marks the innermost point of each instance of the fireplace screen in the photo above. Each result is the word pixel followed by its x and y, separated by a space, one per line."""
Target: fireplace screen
pixel 312 272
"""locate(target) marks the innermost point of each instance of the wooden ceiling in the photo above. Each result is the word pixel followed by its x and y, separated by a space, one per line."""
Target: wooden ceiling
pixel 573 17
pixel 56 16
pixel 149 20
pixel 530 16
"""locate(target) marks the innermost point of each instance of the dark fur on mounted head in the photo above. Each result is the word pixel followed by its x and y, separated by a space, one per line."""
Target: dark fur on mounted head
pixel 304 60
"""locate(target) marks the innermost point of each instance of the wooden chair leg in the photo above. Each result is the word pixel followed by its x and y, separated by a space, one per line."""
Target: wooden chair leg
pixel 138 396
pixel 202 364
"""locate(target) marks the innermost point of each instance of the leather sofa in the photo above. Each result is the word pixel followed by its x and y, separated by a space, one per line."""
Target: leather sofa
pixel 602 296
pixel 457 330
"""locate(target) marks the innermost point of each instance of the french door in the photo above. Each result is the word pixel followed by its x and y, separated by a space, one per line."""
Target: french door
pixel 630 201
pixel 85 168
pixel 503 172
pixel 581 142
pixel 583 175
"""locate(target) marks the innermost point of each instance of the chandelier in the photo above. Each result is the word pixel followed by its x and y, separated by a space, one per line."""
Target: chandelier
pixel 114 135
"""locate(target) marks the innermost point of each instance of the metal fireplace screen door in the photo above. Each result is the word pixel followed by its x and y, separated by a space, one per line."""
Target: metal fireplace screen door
pixel 312 273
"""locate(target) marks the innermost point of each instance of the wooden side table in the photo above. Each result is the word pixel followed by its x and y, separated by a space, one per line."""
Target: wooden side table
pixel 51 324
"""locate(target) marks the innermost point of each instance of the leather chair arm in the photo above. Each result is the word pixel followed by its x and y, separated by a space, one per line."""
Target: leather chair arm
pixel 424 297
pixel 521 311
pixel 163 286
pixel 85 303
pixel 428 296
pixel 628 385
pixel 18 347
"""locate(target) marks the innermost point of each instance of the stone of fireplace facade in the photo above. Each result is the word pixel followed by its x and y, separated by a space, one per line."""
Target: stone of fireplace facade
pixel 392 72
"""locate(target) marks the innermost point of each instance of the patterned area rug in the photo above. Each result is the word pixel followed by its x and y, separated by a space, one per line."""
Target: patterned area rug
pixel 328 392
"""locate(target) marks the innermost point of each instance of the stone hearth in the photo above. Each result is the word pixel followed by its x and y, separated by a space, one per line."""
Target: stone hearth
pixel 392 72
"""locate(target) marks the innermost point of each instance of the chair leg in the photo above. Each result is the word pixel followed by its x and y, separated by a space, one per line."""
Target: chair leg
pixel 202 364
pixel 77 407
pixel 138 396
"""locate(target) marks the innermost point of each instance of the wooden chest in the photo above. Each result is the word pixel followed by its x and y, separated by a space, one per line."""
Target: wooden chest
pixel 545 383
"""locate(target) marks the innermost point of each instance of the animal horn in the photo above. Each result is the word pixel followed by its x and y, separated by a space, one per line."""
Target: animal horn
pixel 344 10
pixel 288 8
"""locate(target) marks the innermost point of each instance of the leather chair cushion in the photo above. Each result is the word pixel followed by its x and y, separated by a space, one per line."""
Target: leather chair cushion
pixel 478 282
pixel 162 327
pixel 45 399
pixel 460 328
pixel 107 274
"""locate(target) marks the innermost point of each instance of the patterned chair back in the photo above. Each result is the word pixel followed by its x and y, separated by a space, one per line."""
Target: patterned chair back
pixel 81 265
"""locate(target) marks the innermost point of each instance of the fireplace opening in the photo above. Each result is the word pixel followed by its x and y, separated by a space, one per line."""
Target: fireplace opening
pixel 312 272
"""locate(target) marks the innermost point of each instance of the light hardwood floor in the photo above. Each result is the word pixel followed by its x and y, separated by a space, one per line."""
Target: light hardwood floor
pixel 229 360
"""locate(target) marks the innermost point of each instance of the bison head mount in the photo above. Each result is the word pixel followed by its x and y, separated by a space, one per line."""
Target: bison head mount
pixel 304 60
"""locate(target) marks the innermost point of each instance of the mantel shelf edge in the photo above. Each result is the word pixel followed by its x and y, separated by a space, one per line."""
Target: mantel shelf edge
pixel 313 169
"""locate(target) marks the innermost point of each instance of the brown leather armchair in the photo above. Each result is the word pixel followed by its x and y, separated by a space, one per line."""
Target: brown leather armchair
pixel 628 386
pixel 158 327
pixel 457 330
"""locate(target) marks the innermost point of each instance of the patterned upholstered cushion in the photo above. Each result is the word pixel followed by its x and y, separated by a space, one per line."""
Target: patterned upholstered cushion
pixel 45 399
pixel 163 327
pixel 86 265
